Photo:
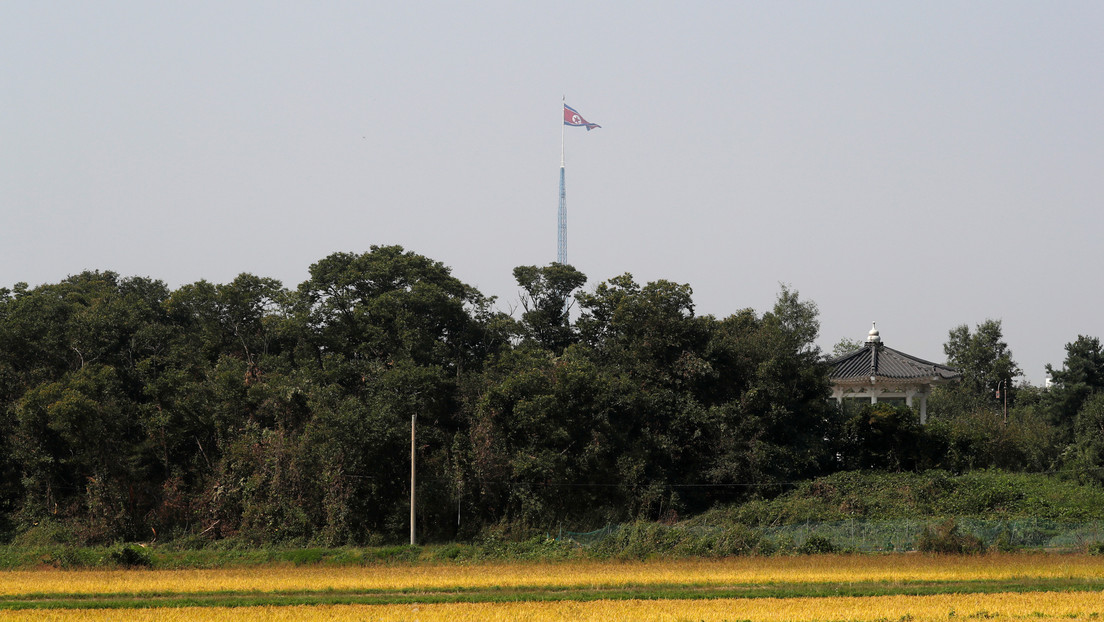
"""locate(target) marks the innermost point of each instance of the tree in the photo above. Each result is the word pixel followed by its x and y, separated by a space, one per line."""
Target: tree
pixel 1084 364
pixel 546 299
pixel 984 360
pixel 1087 452
pixel 1081 377
pixel 395 334
pixel 647 330
pixel 77 441
pixel 389 304
pixel 540 444
pixel 788 393
pixel 881 436
pixel 846 346
pixel 798 321
pixel 982 439
pixel 648 341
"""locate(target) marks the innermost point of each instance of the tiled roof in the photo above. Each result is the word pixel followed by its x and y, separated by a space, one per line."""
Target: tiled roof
pixel 874 359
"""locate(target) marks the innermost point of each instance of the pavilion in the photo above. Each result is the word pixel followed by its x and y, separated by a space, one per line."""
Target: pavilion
pixel 880 374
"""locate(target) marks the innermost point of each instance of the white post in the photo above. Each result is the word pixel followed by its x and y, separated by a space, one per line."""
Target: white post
pixel 413 418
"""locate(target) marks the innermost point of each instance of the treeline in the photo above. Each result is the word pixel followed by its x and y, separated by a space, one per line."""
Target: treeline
pixel 251 411
pixel 988 419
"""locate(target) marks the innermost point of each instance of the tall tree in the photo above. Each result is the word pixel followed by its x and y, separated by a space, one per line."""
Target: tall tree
pixel 1084 364
pixel 540 445
pixel 1088 448
pixel 546 298
pixel 1081 377
pixel 985 361
pixel 648 339
pixel 783 404
pixel 394 334
pixel 389 304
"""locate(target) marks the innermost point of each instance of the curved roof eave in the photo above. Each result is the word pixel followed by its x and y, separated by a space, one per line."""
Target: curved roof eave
pixel 884 362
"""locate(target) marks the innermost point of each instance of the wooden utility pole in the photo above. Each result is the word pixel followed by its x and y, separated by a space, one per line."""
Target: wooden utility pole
pixel 413 418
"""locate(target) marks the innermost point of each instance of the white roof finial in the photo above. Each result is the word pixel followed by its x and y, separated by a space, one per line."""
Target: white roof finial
pixel 873 336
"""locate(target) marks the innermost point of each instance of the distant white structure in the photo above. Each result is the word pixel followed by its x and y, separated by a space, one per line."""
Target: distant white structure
pixel 880 374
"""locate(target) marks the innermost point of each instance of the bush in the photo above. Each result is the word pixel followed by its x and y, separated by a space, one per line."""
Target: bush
pixel 887 496
pixel 302 557
pixel 817 545
pixel 396 553
pixel 945 538
pixel 191 542
pixel 641 540
pixel 68 558
pixel 456 552
pixel 1004 543
pixel 131 557
pixel 638 540
pixel 47 533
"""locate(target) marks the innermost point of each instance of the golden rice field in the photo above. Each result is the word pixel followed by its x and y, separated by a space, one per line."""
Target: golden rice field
pixel 892 587
pixel 1032 606
pixel 738 570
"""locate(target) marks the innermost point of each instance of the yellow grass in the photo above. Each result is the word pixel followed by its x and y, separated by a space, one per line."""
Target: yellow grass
pixel 582 574
pixel 1029 606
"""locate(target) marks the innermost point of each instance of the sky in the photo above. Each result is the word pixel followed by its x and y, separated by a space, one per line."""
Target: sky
pixel 922 165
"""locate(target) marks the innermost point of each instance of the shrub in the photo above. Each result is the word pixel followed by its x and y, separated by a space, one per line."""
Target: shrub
pixel 1003 542
pixel 302 557
pixel 945 538
pixel 641 540
pixel 638 540
pixel 456 552
pixel 47 533
pixel 816 545
pixel 72 557
pixel 131 557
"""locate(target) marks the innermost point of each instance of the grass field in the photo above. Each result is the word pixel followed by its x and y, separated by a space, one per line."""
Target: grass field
pixel 848 587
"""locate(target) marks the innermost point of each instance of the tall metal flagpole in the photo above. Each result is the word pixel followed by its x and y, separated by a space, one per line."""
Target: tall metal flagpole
pixel 561 250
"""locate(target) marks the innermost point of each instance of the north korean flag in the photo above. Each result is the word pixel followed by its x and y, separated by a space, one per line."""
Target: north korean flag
pixel 574 119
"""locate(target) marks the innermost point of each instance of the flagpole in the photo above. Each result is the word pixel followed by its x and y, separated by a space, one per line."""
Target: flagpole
pixel 561 238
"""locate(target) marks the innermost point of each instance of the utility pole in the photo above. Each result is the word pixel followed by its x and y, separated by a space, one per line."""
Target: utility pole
pixel 413 419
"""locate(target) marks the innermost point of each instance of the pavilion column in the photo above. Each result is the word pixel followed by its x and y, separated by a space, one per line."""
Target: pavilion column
pixel 923 408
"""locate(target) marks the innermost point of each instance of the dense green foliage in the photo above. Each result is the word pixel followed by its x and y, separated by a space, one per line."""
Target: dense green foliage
pixel 258 414
pixel 264 414
pixel 932 494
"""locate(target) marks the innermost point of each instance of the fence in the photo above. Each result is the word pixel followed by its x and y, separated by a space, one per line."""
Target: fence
pixel 587 538
pixel 901 535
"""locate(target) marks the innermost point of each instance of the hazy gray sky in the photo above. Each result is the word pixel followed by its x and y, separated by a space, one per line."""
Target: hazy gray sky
pixel 923 165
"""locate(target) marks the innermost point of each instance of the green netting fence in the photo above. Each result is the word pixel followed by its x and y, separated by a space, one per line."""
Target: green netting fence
pixel 902 535
pixel 587 538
